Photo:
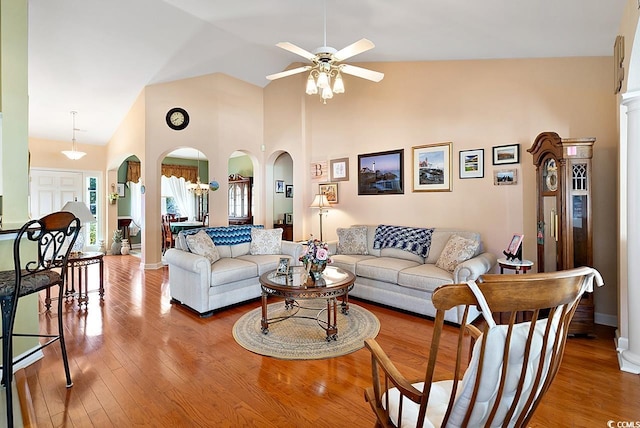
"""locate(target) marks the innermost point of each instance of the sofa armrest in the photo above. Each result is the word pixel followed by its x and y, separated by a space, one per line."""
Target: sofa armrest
pixel 188 261
pixel 471 269
pixel 293 249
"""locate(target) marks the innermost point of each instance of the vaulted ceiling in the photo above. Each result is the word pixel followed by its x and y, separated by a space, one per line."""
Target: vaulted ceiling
pixel 95 56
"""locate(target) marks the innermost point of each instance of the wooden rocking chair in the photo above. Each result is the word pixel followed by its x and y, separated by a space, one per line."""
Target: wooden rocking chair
pixel 511 366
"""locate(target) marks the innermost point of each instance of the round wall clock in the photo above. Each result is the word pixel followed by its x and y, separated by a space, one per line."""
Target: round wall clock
pixel 177 118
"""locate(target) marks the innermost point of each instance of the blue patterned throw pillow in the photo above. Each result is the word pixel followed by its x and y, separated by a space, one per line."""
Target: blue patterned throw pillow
pixel 416 240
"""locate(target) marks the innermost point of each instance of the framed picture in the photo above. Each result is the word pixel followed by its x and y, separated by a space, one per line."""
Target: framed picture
pixel 330 190
pixel 288 218
pixel 283 266
pixel 339 169
pixel 381 173
pixel 472 163
pixel 503 177
pixel 288 191
pixel 279 186
pixel 319 170
pixel 432 165
pixel 506 154
pixel 514 245
pixel 120 188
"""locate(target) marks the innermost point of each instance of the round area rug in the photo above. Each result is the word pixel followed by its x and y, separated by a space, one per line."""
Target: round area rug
pixel 302 338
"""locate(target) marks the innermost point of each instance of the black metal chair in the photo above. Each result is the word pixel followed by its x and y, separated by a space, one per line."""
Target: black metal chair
pixel 52 238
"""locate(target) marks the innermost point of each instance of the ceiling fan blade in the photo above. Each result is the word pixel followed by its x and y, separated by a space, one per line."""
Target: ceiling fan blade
pixel 356 48
pixel 374 76
pixel 288 72
pixel 296 50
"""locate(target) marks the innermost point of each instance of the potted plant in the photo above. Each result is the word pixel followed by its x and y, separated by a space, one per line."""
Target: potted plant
pixel 113 196
pixel 116 246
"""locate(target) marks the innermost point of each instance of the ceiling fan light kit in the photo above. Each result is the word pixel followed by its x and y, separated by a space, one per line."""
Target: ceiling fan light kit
pixel 327 66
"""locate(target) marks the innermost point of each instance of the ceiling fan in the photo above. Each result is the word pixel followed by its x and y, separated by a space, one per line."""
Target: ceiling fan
pixel 327 65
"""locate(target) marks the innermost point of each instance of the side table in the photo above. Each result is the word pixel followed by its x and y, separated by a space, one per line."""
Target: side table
pixel 516 265
pixel 80 262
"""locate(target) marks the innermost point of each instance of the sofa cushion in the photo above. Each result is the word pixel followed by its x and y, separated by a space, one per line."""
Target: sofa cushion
pixel 457 250
pixel 266 262
pixel 383 268
pixel 348 261
pixel 401 254
pixel 266 241
pixel 440 238
pixel 228 270
pixel 426 277
pixel 416 240
pixel 352 240
pixel 201 244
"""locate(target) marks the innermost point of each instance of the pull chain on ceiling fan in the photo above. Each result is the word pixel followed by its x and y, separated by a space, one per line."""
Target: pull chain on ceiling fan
pixel 327 65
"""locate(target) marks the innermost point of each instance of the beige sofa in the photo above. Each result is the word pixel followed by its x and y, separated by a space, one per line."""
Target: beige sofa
pixel 203 286
pixel 405 280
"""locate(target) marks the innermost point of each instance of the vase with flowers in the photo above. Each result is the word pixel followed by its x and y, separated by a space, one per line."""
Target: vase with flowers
pixel 315 257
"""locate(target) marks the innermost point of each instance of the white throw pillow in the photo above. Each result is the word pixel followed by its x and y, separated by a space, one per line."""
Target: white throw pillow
pixel 457 250
pixel 352 240
pixel 200 243
pixel 266 241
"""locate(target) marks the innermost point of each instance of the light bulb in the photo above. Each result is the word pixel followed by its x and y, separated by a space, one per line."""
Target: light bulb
pixel 326 93
pixel 338 85
pixel 323 80
pixel 312 89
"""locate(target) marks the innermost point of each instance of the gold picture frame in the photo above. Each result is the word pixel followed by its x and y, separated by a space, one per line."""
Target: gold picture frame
pixel 432 167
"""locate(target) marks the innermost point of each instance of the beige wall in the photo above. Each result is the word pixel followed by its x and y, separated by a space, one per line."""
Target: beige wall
pixel 474 104
pixel 225 115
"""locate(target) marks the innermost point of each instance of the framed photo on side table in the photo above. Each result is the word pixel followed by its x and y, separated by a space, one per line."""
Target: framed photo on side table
pixel 432 165
pixel 503 155
pixel 472 163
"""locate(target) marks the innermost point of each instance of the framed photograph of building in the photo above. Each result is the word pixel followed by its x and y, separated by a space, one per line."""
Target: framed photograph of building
pixel 472 163
pixel 381 173
pixel 432 165
pixel 503 155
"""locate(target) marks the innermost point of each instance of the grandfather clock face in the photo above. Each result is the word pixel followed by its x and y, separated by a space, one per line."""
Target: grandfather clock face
pixel 550 175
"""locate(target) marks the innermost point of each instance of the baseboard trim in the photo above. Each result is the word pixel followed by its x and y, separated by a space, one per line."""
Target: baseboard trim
pixel 151 266
pixel 605 319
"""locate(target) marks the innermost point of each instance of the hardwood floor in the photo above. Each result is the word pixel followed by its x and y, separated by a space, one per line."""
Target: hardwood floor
pixel 137 360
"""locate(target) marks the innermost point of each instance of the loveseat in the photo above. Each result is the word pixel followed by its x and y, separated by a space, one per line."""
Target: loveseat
pixel 401 266
pixel 215 267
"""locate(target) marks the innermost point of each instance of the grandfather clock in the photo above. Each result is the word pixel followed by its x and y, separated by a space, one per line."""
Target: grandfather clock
pixel 564 221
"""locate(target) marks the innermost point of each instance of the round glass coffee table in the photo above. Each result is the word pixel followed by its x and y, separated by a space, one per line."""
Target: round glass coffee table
pixel 335 282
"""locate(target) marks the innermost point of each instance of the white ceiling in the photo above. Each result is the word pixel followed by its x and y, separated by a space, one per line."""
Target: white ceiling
pixel 95 56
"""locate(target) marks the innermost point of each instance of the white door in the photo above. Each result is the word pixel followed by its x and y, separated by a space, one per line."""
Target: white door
pixel 50 190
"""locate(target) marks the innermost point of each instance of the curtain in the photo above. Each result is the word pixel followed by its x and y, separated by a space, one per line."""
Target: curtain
pixel 177 188
pixel 136 208
pixel 188 172
pixel 133 171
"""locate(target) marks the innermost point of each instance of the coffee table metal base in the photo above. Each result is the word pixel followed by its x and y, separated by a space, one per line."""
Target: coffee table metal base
pixel 330 326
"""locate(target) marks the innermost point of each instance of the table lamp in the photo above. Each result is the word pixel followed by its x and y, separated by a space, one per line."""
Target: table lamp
pixel 322 203
pixel 80 210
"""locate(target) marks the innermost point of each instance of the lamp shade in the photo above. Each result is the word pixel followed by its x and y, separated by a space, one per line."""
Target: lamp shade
pixel 320 201
pixel 80 210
